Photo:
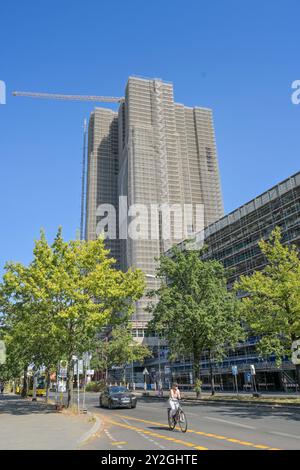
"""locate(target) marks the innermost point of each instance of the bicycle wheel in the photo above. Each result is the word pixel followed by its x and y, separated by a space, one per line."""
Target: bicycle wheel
pixel 171 420
pixel 182 421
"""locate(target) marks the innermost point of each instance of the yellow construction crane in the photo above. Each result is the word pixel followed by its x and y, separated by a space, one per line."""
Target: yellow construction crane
pixel 58 96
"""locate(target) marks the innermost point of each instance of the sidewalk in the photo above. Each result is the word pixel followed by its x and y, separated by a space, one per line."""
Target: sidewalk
pixel 35 425
pixel 275 398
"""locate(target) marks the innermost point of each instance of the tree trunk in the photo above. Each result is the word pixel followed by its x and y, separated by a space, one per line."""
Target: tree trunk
pixel 70 376
pixel 298 376
pixel 24 389
pixel 47 379
pixel 212 381
pixel 34 384
pixel 196 371
pixel 106 373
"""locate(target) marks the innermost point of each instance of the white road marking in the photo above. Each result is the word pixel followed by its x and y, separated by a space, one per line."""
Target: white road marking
pixel 145 436
pixel 156 408
pixel 229 422
pixel 112 439
pixel 284 434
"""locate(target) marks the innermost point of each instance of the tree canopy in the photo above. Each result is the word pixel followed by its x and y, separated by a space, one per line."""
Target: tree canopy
pixel 54 307
pixel 193 307
pixel 271 298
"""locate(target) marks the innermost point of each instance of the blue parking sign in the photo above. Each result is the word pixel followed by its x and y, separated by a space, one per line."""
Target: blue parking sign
pixel 248 377
pixel 234 370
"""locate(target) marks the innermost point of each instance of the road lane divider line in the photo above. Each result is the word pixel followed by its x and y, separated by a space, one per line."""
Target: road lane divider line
pixel 204 434
pixel 277 433
pixel 159 436
pixel 229 422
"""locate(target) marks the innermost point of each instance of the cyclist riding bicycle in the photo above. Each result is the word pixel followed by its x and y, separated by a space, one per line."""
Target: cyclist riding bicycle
pixel 174 398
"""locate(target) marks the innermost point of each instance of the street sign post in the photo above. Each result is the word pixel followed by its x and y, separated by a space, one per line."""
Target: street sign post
pixel 145 373
pixel 253 373
pixel 234 371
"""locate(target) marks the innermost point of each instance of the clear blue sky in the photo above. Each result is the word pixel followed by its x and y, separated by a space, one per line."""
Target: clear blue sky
pixel 237 57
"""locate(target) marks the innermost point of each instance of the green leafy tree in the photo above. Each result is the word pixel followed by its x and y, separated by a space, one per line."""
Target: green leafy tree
pixel 193 308
pixel 64 297
pixel 23 329
pixel 100 357
pixel 123 350
pixel 271 305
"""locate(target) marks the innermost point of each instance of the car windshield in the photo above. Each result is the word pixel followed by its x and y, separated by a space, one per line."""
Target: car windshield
pixel 117 389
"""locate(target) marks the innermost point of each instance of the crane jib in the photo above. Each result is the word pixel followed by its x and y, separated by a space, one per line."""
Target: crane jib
pixel 57 96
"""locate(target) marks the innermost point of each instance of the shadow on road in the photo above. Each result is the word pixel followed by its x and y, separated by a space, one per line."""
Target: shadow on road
pixel 259 412
pixel 10 404
pixel 161 428
pixel 241 410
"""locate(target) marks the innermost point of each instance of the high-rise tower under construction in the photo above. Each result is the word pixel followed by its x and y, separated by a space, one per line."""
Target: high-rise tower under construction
pixel 151 152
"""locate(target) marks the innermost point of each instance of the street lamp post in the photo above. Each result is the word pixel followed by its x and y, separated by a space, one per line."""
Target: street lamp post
pixel 132 376
pixel 75 358
pixel 160 391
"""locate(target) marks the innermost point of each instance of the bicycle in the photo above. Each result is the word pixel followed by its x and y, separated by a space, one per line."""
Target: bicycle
pixel 179 417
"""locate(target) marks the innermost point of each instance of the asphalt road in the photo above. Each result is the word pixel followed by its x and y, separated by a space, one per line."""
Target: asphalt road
pixel 210 426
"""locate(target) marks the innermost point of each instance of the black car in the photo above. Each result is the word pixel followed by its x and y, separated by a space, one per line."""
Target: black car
pixel 115 397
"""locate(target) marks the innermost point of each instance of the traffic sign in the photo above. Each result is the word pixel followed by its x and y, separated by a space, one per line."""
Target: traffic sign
pixel 90 372
pixel 296 352
pixel 62 386
pixel 78 367
pixel 252 369
pixel 63 373
pixel 145 372
pixel 248 377
pixel 234 370
pixel 63 364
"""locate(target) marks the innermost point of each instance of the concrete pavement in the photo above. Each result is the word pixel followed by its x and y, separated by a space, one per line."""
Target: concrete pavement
pixel 35 425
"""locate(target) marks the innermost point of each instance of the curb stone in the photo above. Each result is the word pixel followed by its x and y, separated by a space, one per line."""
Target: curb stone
pixel 228 402
pixel 95 428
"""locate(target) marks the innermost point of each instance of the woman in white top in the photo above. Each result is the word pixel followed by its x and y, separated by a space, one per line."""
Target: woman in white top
pixel 174 397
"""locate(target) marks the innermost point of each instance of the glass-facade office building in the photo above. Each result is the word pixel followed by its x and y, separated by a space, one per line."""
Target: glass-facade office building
pixel 233 240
